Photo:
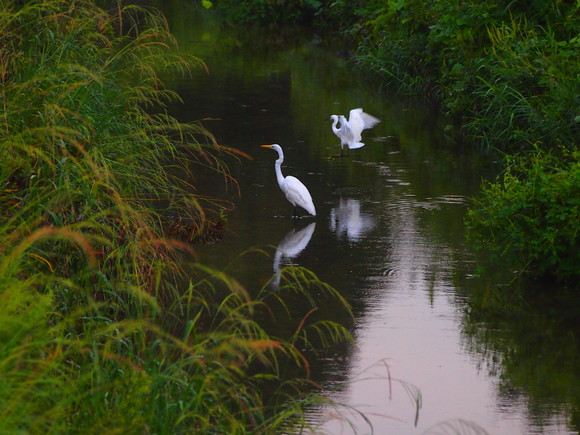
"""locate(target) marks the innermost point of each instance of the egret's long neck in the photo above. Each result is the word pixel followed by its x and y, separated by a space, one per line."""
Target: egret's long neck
pixel 278 167
pixel 334 123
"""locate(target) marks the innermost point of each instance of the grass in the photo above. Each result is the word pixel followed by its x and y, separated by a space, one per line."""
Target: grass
pixel 102 330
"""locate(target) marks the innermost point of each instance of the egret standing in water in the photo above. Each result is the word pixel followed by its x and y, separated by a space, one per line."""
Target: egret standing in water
pixel 350 132
pixel 296 192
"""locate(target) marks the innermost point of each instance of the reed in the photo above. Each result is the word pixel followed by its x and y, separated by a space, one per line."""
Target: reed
pixel 102 330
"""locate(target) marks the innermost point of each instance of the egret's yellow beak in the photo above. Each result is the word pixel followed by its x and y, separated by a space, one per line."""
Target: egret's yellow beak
pixel 266 146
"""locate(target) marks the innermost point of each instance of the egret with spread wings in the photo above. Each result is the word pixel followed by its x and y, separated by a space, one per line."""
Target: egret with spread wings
pixel 350 131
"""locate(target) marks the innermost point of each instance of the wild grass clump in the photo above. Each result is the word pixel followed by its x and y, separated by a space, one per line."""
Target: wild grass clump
pixel 527 90
pixel 102 329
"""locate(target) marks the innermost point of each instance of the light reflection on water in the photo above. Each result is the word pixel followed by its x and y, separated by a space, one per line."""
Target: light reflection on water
pixel 388 235
pixel 293 243
pixel 346 220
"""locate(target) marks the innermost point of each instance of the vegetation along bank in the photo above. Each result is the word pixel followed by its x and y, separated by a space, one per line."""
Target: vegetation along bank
pixel 101 329
pixel 507 77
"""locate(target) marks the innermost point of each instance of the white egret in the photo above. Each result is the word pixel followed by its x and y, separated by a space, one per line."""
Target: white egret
pixel 350 131
pixel 296 192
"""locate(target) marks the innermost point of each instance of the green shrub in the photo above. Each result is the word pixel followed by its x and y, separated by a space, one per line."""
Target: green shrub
pixel 525 90
pixel 531 217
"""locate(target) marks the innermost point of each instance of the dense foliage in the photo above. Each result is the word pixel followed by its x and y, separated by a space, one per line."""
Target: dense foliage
pixel 102 329
pixel 532 214
pixel 506 74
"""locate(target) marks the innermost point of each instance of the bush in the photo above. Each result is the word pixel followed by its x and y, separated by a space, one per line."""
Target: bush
pixel 532 215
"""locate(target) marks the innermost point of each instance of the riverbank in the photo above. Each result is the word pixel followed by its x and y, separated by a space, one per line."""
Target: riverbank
pixel 507 78
pixel 102 329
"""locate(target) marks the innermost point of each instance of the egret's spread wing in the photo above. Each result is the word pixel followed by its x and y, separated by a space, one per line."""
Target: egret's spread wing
pixel 359 121
pixel 369 120
pixel 354 113
pixel 356 122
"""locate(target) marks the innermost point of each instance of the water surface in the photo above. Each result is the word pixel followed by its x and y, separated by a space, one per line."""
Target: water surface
pixel 388 234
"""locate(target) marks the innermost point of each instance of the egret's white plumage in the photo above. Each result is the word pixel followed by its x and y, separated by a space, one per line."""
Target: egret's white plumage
pixel 344 133
pixel 296 192
pixel 350 131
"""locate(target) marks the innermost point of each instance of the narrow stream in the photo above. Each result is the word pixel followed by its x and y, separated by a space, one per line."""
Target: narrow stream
pixel 389 232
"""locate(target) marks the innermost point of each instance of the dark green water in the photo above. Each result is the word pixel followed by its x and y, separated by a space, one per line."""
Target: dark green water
pixel 388 235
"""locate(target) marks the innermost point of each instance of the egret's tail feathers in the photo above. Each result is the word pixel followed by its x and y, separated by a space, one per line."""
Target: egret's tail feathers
pixel 355 145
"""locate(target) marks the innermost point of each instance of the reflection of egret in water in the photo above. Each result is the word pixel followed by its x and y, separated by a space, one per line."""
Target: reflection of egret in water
pixel 291 245
pixel 347 220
